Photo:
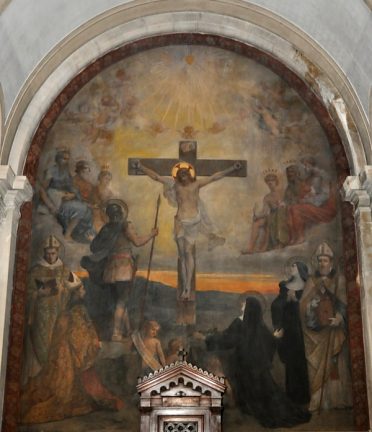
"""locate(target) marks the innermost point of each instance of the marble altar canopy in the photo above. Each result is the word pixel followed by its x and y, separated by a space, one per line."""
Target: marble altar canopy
pixel 181 397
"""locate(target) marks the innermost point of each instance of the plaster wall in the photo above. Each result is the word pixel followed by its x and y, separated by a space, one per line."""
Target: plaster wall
pixel 130 21
pixel 30 30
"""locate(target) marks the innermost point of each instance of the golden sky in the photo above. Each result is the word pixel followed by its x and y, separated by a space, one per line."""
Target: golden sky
pixel 233 107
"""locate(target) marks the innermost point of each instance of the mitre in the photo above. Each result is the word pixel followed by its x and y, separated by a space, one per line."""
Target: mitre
pixel 51 242
pixel 324 250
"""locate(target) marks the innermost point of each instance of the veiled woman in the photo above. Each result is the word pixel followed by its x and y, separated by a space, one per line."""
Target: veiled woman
pixel 258 393
pixel 286 319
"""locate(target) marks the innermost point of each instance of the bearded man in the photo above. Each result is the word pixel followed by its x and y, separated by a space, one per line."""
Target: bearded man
pixel 324 322
pixel 191 217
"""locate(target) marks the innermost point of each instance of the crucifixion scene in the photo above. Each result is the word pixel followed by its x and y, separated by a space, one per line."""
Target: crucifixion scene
pixel 186 209
pixel 182 191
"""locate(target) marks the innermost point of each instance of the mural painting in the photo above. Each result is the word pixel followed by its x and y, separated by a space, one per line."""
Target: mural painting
pixel 186 199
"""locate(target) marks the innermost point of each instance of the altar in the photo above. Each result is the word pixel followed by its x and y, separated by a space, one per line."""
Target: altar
pixel 181 398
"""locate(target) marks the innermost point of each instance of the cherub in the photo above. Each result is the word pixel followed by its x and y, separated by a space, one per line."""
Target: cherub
pixel 149 346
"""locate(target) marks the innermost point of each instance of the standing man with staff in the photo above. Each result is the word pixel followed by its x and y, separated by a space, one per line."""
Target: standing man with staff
pixel 323 314
pixel 112 261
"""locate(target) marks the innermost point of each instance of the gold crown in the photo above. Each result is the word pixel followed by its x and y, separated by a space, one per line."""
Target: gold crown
pixel 291 162
pixel 270 171
pixel 105 167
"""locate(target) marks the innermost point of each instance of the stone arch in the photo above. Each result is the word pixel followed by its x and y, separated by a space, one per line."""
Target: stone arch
pixel 2 120
pixel 248 24
pixel 244 22
pixel 370 110
pixel 302 86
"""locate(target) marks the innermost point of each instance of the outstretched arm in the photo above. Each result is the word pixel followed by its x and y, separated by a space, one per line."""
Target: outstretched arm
pixel 149 172
pixel 138 240
pixel 219 175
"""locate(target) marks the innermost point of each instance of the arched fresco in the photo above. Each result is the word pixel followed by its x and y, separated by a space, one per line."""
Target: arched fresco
pixel 258 216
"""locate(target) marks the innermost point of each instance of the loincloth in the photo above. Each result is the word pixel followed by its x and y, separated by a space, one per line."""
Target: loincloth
pixel 187 228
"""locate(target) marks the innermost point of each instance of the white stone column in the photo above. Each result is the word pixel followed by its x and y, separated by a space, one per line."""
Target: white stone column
pixel 14 191
pixel 358 191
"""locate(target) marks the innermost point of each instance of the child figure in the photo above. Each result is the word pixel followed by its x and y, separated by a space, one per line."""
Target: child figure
pixel 149 347
pixel 174 347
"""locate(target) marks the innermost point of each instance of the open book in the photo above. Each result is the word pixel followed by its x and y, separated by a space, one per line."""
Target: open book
pixel 49 283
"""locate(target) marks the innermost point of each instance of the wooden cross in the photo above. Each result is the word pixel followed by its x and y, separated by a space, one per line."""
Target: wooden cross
pixel 203 167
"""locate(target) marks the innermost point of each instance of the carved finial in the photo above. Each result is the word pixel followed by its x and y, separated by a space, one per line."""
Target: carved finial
pixel 182 354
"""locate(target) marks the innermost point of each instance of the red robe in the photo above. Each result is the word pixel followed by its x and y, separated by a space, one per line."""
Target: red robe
pixel 301 216
pixel 68 385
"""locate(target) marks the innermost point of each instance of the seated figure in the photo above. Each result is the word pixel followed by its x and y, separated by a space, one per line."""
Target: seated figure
pixel 63 200
pixel 269 227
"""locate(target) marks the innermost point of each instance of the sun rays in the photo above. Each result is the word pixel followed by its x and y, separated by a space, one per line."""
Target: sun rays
pixel 184 89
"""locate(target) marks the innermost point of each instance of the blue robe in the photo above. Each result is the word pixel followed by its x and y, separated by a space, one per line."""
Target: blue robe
pixel 61 180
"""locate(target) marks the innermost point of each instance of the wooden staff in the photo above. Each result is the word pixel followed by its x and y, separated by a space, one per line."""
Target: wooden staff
pixel 327 351
pixel 142 314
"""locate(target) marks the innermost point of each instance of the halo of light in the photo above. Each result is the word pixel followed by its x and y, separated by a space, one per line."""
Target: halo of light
pixel 118 202
pixel 184 165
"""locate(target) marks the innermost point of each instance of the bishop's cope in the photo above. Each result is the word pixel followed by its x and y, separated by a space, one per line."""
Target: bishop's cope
pixel 181 188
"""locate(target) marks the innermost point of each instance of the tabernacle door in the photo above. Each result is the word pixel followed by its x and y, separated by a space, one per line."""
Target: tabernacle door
pixel 181 424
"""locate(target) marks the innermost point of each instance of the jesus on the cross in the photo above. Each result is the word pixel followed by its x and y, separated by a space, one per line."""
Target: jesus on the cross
pixel 188 221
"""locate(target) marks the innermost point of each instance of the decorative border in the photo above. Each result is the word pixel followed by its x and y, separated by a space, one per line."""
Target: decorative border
pixel 12 390
pixel 17 321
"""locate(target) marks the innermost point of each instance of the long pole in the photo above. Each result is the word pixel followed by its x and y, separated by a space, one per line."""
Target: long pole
pixel 142 314
pixel 327 353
